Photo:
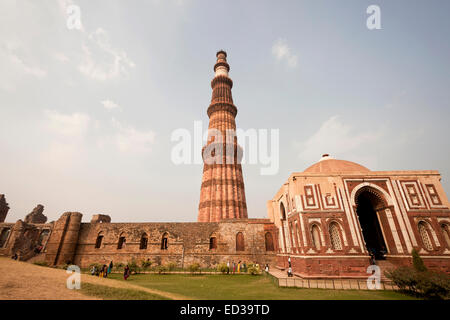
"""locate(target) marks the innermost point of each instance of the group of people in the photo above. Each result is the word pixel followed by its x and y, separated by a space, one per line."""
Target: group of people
pixel 106 269
pixel 103 271
pixel 233 267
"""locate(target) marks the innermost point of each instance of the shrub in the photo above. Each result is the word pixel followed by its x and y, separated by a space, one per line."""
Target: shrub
pixel 146 264
pixel 253 269
pixel 41 263
pixel 195 267
pixel 433 285
pixel 223 268
pixel 161 269
pixel 119 266
pixel 405 278
pixel 171 266
pixel 418 262
pixel 428 284
pixel 134 268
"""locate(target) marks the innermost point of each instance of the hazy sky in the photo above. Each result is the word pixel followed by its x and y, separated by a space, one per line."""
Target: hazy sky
pixel 87 115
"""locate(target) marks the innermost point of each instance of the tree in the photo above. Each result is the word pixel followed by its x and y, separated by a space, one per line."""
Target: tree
pixel 418 262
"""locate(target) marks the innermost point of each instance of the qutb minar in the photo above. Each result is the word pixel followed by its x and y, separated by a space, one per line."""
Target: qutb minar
pixel 222 194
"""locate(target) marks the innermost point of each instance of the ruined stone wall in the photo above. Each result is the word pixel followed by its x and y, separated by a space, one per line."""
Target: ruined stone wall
pixel 23 238
pixel 4 208
pixel 187 243
pixel 64 239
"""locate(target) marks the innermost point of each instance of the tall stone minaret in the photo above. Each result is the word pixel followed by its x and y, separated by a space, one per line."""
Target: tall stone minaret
pixel 222 194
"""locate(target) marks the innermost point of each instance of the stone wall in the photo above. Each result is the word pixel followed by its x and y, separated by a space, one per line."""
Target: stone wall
pixel 187 243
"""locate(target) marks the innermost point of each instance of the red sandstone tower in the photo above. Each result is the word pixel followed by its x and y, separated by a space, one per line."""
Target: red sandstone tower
pixel 222 194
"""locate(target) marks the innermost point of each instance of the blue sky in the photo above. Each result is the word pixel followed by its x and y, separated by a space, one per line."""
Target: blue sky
pixel 87 115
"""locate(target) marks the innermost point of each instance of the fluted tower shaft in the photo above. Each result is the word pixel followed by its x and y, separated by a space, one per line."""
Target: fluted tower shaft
pixel 222 194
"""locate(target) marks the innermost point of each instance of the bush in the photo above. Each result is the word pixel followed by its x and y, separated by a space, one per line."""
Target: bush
pixel 195 267
pixel 427 284
pixel 405 278
pixel 433 285
pixel 119 266
pixel 253 269
pixel 41 263
pixel 146 264
pixel 161 269
pixel 223 268
pixel 134 268
pixel 171 266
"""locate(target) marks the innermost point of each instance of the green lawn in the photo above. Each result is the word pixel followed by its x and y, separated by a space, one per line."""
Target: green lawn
pixel 247 287
pixel 109 293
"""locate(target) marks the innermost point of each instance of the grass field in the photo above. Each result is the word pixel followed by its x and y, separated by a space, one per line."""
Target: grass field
pixel 235 287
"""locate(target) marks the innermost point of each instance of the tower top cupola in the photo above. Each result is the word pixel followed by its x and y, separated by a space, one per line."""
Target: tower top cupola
pixel 221 68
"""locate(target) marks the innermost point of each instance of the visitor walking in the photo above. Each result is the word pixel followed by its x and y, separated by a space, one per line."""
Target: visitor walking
pixel 126 272
pixel 228 267
pixel 267 268
pixel 239 267
pixel 110 267
pixel 289 272
pixel 234 267
pixel 93 270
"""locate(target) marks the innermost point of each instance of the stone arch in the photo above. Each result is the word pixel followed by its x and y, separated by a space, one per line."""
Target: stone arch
pixel 43 237
pixel 268 239
pixel 315 236
pixel 99 240
pixel 334 231
pixel 122 241
pixel 379 192
pixel 446 233
pixel 425 234
pixel 240 243
pixel 213 241
pixel 165 241
pixel 4 235
pixel 369 200
pixel 282 211
pixel 144 241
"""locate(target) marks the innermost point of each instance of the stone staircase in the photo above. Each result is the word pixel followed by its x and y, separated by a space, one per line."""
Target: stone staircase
pixel 384 265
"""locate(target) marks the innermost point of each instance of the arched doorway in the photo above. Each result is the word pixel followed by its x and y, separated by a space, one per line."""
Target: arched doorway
pixel 368 202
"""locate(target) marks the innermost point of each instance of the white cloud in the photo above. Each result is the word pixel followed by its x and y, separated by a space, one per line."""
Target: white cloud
pixel 130 140
pixel 110 105
pixel 68 125
pixel 341 141
pixel 101 61
pixel 282 52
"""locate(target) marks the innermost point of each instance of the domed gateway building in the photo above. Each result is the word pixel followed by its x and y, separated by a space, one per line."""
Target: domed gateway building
pixel 334 215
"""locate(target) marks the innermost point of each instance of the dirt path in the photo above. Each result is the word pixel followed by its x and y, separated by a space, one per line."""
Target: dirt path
pixel 24 281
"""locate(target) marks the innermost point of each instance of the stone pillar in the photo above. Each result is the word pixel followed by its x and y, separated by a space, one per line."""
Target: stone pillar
pixel 62 244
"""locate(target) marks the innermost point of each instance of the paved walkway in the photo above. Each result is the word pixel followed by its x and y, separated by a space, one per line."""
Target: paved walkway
pixel 341 284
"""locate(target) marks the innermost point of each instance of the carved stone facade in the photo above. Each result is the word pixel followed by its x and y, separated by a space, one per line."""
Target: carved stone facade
pixel 333 214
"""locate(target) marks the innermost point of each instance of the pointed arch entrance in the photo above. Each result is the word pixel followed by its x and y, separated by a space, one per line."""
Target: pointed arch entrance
pixel 369 202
